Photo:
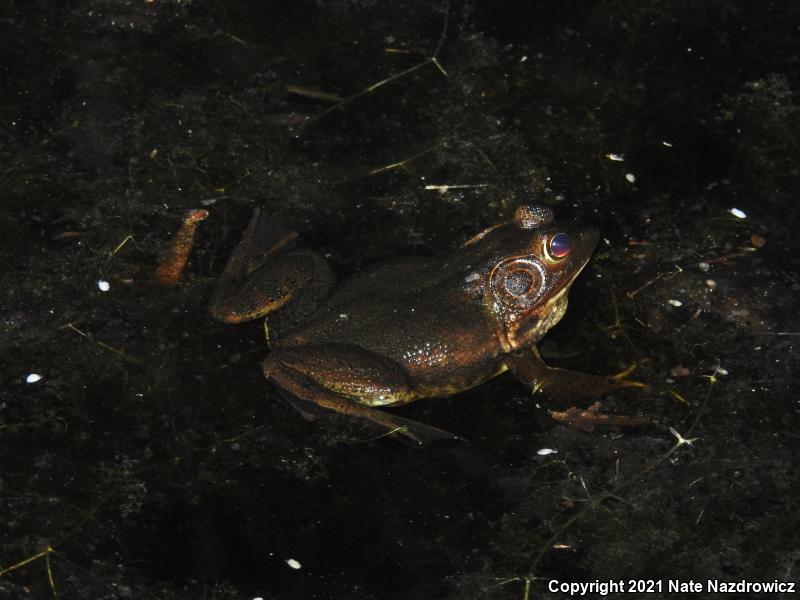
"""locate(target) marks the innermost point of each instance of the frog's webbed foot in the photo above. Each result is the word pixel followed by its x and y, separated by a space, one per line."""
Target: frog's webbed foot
pixel 266 272
pixel 390 425
pixel 529 368
pixel 351 373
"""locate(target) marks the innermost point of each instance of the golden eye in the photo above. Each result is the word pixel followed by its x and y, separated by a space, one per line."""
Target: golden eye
pixel 518 282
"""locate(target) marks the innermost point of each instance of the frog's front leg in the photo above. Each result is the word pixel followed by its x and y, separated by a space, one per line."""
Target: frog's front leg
pixel 529 368
pixel 350 380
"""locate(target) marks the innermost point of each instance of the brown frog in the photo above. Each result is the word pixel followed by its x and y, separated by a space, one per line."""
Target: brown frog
pixel 409 328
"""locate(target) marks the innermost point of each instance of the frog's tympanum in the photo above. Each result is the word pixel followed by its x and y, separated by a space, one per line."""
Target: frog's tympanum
pixel 409 328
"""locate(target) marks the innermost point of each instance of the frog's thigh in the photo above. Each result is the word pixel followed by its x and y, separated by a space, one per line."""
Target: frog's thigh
pixel 348 379
pixel 266 271
pixel 301 276
pixel 348 370
pixel 529 368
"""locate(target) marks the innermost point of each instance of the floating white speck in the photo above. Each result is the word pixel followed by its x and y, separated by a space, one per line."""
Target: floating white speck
pixel 739 214
pixel 546 451
pixel 258 598
pixel 523 59
pixel 676 303
pixel 721 371
pixel 704 267
pixel 615 157
pixel 293 563
pixel 711 283
pixel 667 144
pixel 33 378
pixel 103 285
pixel 630 177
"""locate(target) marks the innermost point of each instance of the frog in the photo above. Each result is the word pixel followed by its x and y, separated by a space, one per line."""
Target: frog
pixel 409 328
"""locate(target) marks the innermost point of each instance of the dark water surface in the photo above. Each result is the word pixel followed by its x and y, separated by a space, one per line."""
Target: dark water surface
pixel 152 460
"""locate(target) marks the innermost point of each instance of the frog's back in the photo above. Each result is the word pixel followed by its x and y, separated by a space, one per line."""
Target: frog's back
pixel 430 325
pixel 396 277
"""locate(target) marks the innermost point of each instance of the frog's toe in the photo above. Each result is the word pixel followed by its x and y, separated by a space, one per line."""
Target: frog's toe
pixel 393 426
pixel 561 383
pixel 419 432
pixel 622 380
pixel 529 368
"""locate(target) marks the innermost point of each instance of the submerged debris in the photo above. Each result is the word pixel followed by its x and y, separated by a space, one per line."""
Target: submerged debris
pixel 757 241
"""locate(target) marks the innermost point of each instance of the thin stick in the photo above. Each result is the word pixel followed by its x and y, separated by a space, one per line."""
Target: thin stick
pixel 315 94
pixel 121 244
pixel 26 561
pixel 433 59
pixel 405 161
pixel 50 578
pixel 128 357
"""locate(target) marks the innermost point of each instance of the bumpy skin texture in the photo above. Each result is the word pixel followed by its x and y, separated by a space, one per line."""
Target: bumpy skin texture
pixel 409 328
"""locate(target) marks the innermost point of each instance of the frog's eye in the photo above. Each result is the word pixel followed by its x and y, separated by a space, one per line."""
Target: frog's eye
pixel 518 282
pixel 558 247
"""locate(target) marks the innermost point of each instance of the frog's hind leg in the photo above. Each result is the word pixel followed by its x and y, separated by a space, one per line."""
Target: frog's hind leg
pixel 267 272
pixel 263 238
pixel 417 432
pixel 300 373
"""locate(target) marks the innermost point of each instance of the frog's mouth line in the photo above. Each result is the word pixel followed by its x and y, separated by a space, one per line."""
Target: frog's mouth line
pixel 533 327
pixel 563 286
